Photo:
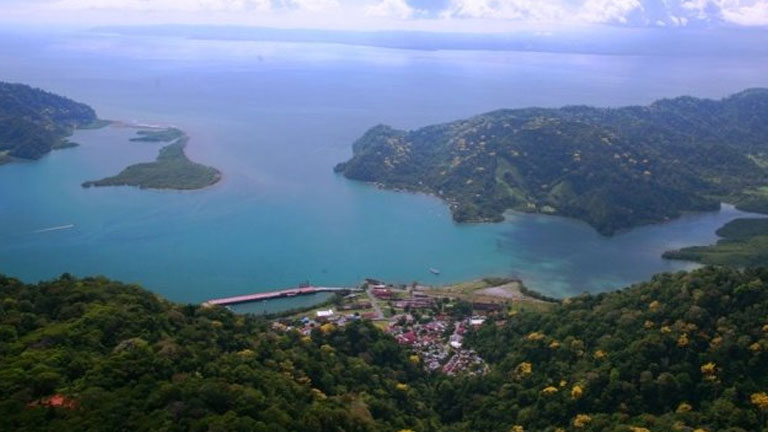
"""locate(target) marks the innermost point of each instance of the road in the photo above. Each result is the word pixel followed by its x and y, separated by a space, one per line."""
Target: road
pixel 375 304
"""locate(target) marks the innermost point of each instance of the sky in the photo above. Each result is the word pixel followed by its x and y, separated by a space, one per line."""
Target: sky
pixel 426 15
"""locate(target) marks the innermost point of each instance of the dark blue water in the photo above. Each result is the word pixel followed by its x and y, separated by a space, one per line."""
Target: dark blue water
pixel 275 118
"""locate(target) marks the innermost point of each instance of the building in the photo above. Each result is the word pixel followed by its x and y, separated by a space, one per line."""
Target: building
pixel 382 293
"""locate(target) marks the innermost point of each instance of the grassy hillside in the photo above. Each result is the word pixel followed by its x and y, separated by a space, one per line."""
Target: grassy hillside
pixel 744 243
pixel 683 352
pixel 613 168
pixel 34 122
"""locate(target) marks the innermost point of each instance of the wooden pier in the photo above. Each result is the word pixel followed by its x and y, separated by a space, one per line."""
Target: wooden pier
pixel 291 292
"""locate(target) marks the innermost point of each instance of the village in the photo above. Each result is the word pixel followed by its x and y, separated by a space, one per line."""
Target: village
pixel 430 321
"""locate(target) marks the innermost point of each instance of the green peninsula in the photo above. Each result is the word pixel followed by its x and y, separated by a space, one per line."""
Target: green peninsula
pixel 33 122
pixel 171 170
pixel 614 168
pixel 744 243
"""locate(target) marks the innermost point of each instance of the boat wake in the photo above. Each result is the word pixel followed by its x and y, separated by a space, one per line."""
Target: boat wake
pixel 56 228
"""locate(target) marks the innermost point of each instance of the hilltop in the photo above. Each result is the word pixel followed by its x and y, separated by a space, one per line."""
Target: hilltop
pixel 615 168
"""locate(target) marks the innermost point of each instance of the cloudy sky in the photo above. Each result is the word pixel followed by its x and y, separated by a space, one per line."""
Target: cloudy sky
pixel 439 15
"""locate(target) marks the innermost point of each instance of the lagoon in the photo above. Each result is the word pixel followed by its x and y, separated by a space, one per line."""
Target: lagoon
pixel 275 118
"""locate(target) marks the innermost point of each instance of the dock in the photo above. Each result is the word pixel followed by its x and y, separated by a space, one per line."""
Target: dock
pixel 291 292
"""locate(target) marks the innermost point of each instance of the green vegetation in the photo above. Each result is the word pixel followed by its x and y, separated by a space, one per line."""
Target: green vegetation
pixel 682 352
pixel 34 122
pixel 686 352
pixel 744 243
pixel 613 168
pixel 132 361
pixel 171 170
pixel 161 135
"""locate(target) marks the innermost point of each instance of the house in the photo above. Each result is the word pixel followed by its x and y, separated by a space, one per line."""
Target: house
pixel 455 341
pixel 408 338
pixel 324 314
pixel 476 321
pixel 382 293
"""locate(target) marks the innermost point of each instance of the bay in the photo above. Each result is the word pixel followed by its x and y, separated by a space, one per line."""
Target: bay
pixel 275 118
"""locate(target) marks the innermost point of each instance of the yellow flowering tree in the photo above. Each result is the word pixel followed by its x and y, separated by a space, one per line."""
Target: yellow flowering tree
pixel 581 420
pixel 524 369
pixel 760 400
pixel 549 390
pixel 648 324
pixel 709 370
pixel 577 392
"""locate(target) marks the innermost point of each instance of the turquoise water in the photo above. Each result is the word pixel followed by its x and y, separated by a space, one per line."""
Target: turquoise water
pixel 275 118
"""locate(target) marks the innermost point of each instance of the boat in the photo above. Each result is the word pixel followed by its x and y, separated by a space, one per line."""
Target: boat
pixel 434 271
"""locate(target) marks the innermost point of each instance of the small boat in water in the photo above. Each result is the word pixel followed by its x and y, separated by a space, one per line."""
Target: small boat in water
pixel 434 271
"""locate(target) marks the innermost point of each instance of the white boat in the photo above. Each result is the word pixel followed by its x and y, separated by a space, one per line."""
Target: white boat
pixel 434 271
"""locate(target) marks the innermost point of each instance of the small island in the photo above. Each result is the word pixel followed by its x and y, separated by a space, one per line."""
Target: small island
pixel 171 170
pixel 744 243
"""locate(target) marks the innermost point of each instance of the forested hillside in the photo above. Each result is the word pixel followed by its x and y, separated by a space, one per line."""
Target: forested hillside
pixel 124 360
pixel 613 168
pixel 683 352
pixel 33 121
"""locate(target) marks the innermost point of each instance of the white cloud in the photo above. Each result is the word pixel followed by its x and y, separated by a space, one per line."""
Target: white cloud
pixel 608 11
pixel 390 8
pixel 746 13
pixel 312 5
pixel 533 10
pixel 589 11
pixel 165 5
pixel 198 5
pixel 442 15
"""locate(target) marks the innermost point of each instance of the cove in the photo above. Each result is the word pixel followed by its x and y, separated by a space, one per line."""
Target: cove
pixel 275 118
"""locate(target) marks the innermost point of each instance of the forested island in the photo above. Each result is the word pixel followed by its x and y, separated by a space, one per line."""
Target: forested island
pixel 171 170
pixel 744 243
pixel 615 168
pixel 33 122
pixel 685 351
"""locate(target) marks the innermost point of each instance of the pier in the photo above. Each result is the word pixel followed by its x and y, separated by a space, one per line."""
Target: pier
pixel 291 292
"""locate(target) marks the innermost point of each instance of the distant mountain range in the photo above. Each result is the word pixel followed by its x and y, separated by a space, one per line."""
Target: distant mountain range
pixel 608 40
pixel 33 121
pixel 614 168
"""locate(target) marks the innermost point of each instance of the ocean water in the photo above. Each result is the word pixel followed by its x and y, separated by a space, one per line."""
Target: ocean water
pixel 275 118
